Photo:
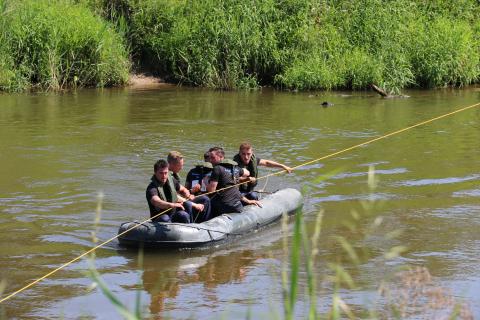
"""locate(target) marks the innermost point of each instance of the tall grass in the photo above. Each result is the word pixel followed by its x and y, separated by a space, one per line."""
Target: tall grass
pixel 220 44
pixel 58 44
pixel 3 285
pixel 402 44
pixel 308 45
pixel 304 45
pixel 98 281
pixel 291 44
pixel 442 53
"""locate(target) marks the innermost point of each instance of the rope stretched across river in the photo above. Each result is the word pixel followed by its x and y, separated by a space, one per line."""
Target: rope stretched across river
pixel 263 177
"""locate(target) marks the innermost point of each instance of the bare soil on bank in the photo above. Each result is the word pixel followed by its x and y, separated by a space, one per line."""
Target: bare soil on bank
pixel 141 80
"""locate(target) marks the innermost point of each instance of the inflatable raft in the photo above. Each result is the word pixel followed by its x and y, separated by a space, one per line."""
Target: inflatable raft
pixel 180 235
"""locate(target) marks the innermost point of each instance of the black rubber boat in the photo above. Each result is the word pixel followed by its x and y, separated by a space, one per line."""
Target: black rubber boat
pixel 180 235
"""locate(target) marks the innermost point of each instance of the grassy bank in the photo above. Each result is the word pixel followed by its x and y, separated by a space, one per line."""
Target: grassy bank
pixel 219 44
pixel 290 44
pixel 306 45
pixel 58 44
pixel 397 45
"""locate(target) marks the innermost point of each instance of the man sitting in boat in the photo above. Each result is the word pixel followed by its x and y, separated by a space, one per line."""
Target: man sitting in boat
pixel 247 159
pixel 162 194
pixel 197 206
pixel 226 174
pixel 198 177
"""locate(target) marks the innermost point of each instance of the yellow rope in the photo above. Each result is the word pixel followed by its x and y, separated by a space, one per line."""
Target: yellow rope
pixel 263 177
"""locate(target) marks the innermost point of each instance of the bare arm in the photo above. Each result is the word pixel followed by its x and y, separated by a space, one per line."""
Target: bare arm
pixel 273 164
pixel 195 189
pixel 157 202
pixel 245 174
pixel 248 202
pixel 185 193
pixel 246 177
pixel 212 186
pixel 183 190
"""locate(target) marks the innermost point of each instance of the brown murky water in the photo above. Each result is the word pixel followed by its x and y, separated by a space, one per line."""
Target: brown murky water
pixel 59 151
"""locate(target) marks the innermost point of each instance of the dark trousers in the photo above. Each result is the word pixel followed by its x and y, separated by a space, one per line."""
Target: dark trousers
pixel 176 216
pixel 196 216
pixel 252 195
pixel 218 207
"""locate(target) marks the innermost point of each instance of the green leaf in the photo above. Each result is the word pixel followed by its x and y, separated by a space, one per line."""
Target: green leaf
pixel 121 308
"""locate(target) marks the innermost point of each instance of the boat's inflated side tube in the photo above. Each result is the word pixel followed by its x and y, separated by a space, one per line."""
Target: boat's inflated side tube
pixel 161 234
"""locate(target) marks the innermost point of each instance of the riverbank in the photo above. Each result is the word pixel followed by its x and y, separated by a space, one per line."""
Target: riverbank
pixel 140 80
pixel 299 45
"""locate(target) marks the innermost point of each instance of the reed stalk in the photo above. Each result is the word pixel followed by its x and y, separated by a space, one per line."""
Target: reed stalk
pixel 98 282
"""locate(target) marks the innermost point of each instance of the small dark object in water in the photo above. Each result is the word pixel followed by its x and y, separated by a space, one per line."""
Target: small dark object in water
pixel 326 104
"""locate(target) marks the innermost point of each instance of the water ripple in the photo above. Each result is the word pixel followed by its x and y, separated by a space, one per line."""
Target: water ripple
pixel 439 181
pixel 469 212
pixel 363 173
pixel 467 193
pixel 340 198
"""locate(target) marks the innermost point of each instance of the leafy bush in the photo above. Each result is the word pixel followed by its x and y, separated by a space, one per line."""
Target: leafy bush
pixel 402 44
pixel 442 54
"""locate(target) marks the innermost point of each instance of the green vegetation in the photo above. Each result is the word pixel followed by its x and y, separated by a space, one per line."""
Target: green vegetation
pixel 56 44
pixel 291 44
pixel 396 45
pixel 219 44
pixel 306 45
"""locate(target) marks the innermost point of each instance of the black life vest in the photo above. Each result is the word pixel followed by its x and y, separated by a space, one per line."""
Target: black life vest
pixel 202 170
pixel 230 166
pixel 205 168
pixel 170 185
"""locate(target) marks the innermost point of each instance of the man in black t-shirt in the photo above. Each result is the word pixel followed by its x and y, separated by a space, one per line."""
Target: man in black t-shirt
pixel 161 194
pixel 225 174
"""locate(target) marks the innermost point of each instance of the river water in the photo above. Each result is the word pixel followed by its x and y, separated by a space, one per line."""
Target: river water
pixel 58 152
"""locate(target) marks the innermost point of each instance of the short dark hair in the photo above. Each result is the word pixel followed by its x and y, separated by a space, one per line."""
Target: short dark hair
pixel 217 150
pixel 160 164
pixel 206 156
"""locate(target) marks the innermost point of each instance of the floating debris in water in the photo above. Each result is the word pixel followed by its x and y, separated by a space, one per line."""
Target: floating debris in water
pixel 327 104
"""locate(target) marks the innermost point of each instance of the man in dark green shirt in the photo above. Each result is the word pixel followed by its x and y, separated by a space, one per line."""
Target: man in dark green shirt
pixel 161 195
pixel 247 159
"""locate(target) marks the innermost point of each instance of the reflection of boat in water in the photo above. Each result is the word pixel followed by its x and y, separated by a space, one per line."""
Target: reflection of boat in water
pixel 170 276
pixel 178 235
